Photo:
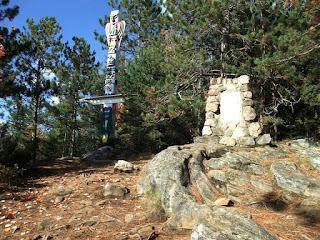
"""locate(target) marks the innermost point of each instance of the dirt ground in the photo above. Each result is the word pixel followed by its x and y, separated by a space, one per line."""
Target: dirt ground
pixel 33 212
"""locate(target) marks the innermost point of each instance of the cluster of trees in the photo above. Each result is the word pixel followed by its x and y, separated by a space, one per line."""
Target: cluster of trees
pixel 170 51
pixel 175 47
pixel 37 67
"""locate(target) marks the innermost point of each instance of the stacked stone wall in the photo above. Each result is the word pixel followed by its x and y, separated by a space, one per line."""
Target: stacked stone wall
pixel 230 115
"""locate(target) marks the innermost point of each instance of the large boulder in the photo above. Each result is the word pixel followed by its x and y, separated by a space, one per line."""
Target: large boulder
pixel 179 176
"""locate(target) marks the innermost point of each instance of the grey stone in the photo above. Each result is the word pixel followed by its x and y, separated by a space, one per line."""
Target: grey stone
pixel 213 92
pixel 249 113
pixel 262 185
pixel 80 213
pixel 240 132
pixel 200 180
pixel 217 175
pixel 288 177
pixel 234 191
pixel 123 166
pixel 247 95
pixel 144 230
pixel 108 218
pixel 171 173
pixel 86 202
pixel 206 131
pixel 210 122
pixel 238 178
pixel 103 153
pixel 210 115
pixel 304 143
pixel 315 162
pixel 239 161
pixel 101 203
pixel 58 199
pixel 229 133
pixel 245 141
pixel 225 224
pixel 247 102
pixel 44 224
pixel 215 150
pixel 310 202
pixel 212 99
pixel 244 79
pixel 255 129
pixel 135 237
pixel 129 218
pixel 263 139
pixel 114 190
pixel 244 88
pixel 62 191
pixel 228 141
pixel 206 139
pixel 212 107
pixel 273 153
pixel 216 131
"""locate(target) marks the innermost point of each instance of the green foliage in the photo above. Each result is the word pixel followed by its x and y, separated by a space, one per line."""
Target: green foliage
pixel 10 176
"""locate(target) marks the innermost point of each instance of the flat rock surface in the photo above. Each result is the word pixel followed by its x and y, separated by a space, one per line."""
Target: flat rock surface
pixel 292 179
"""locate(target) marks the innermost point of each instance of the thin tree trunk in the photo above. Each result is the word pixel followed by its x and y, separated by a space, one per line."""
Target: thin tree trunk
pixel 73 137
pixel 74 127
pixel 35 127
pixel 224 50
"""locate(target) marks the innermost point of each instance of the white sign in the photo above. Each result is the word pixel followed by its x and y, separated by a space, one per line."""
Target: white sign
pixel 231 107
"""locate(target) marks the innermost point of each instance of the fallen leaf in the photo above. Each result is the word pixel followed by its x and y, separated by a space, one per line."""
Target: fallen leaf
pixel 9 215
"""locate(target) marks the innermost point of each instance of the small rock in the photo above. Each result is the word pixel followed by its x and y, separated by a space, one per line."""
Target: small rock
pixel 246 141
pixel 115 190
pixel 255 129
pixel 206 131
pixel 58 199
pixel 86 202
pixel 249 113
pixel 228 141
pixel 81 213
pixel 123 166
pixel 129 218
pixel 223 202
pixel 101 203
pixel 62 191
pixel 211 122
pixel 263 140
pixel 144 230
pixel 212 107
pixel 135 237
pixel 243 79
pixel 44 224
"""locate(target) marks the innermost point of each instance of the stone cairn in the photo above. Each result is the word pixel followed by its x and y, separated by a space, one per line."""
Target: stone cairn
pixel 230 115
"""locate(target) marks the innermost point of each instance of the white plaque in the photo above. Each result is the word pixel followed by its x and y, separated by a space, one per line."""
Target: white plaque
pixel 231 107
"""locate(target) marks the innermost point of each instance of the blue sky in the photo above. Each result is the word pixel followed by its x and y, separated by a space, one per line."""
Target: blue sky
pixel 76 17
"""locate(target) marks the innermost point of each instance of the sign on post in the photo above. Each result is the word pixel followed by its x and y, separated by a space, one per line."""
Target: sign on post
pixel 114 32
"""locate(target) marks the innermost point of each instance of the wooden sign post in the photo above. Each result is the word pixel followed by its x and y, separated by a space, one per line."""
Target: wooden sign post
pixel 114 32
